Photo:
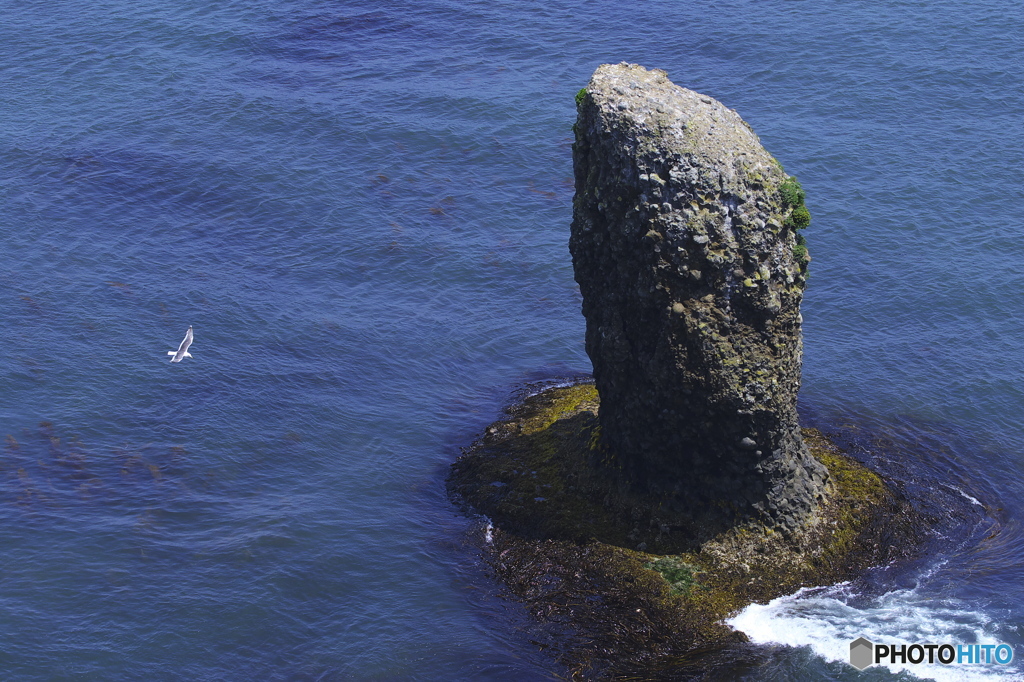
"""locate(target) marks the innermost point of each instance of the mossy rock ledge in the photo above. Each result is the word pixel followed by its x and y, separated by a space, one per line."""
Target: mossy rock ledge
pixel 630 586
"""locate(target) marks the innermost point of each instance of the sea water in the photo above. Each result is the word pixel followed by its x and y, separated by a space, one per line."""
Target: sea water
pixel 363 210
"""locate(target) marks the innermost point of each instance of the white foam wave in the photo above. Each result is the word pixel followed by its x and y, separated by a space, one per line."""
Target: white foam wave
pixel 827 619
pixel 540 387
pixel 972 500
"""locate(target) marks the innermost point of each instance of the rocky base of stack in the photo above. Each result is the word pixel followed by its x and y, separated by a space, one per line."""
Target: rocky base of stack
pixel 636 586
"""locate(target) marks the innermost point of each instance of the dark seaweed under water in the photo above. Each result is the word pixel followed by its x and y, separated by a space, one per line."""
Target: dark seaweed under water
pixel 363 210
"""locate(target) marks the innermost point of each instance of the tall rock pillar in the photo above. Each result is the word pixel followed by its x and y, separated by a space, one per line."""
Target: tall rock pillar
pixel 685 246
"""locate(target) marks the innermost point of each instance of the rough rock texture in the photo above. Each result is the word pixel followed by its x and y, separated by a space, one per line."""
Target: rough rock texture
pixel 688 260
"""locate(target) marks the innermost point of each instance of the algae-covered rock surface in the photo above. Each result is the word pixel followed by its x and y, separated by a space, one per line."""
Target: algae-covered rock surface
pixel 634 588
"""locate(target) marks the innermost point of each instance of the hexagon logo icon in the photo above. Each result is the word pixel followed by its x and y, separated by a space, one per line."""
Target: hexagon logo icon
pixel 862 653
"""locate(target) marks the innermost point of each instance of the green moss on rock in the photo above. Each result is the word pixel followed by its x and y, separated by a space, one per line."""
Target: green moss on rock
pixel 680 575
pixel 799 218
pixel 792 192
pixel 801 256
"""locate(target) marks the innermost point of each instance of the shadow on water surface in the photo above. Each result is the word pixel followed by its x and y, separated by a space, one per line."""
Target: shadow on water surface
pixel 340 38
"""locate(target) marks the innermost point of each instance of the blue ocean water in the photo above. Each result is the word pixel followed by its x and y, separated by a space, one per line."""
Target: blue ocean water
pixel 363 210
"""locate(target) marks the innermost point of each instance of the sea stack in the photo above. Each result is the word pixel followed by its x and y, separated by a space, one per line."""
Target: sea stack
pixel 636 512
pixel 685 245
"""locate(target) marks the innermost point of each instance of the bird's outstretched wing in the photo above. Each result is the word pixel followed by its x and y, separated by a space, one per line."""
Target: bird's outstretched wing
pixel 182 351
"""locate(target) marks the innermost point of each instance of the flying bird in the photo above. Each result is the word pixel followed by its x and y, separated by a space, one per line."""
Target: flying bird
pixel 182 351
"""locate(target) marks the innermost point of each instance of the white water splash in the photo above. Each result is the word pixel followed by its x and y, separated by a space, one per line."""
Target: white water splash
pixel 826 620
pixel 972 500
pixel 540 387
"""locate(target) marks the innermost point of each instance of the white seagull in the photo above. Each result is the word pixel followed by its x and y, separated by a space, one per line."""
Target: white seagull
pixel 182 351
